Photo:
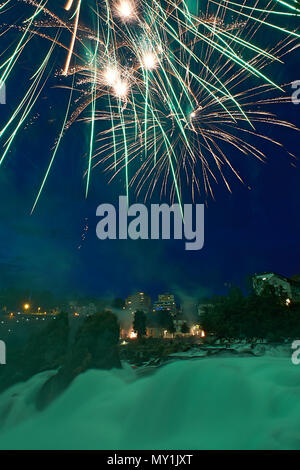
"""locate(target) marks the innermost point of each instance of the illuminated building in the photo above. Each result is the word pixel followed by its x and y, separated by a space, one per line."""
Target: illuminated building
pixel 138 301
pixel 154 331
pixel 165 302
pixel 282 284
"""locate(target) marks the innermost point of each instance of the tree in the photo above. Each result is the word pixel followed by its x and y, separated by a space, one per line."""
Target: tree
pixel 118 303
pixel 263 315
pixel 171 328
pixel 226 315
pixel 139 323
pixel 184 328
pixel 165 320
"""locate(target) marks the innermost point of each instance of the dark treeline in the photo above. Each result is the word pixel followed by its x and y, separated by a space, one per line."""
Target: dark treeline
pixel 159 319
pixel 266 316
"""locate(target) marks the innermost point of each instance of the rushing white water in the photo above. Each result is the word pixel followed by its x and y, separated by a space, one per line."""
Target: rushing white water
pixel 214 403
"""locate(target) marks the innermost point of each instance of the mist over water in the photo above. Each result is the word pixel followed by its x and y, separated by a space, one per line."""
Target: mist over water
pixel 214 403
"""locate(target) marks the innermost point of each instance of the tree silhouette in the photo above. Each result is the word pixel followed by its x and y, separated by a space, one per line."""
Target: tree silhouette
pixel 139 323
pixel 184 328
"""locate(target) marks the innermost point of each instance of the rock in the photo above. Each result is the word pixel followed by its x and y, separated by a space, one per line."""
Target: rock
pixel 45 350
pixel 242 347
pixel 95 347
pixel 258 350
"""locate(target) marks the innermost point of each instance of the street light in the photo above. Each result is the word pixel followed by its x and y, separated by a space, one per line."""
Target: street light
pixel 26 306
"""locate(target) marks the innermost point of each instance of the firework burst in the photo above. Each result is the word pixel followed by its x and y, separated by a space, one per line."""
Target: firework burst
pixel 173 84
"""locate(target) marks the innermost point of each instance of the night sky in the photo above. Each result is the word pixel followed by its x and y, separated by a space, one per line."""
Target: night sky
pixel 256 228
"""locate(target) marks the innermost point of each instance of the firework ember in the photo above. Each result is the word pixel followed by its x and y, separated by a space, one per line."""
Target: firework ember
pixel 172 84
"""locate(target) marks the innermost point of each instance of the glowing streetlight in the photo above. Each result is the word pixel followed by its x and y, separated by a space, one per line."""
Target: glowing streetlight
pixel 26 306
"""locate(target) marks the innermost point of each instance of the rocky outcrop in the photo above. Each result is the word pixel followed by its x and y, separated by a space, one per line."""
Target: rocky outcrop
pixel 45 350
pixel 95 347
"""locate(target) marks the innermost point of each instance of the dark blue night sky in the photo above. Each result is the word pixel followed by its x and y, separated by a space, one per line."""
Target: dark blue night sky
pixel 248 231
